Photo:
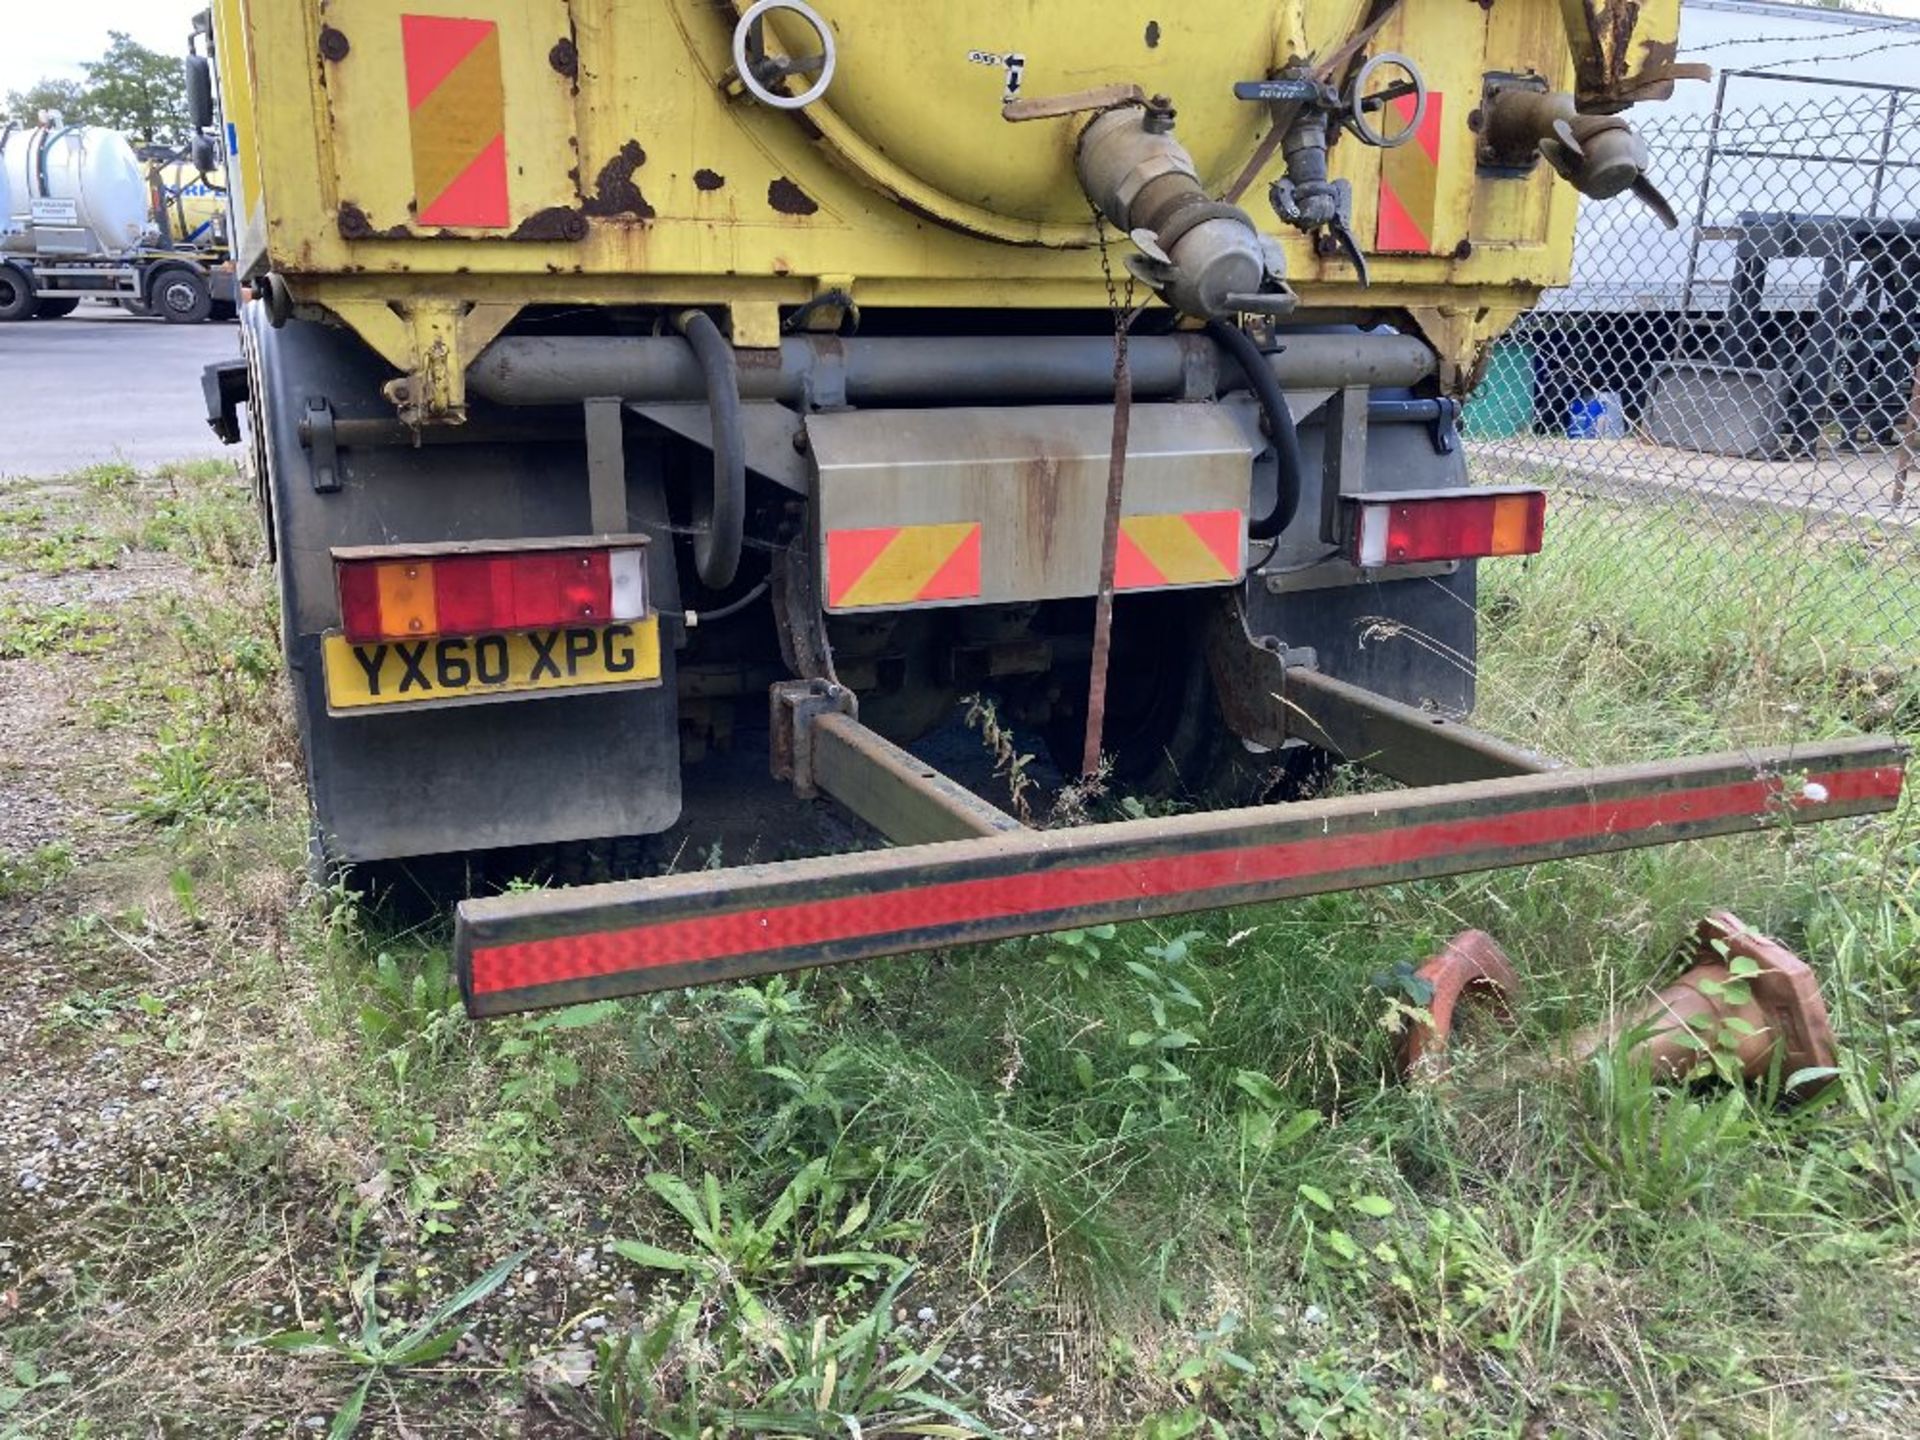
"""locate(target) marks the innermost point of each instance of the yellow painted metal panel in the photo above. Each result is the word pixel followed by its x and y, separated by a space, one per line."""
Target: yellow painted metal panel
pixel 397 145
pixel 636 177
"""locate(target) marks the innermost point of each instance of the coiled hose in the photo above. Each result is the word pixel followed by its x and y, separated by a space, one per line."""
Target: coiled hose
pixel 1280 428
pixel 720 513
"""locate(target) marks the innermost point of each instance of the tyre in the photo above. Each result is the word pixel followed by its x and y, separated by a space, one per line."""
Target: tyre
pixel 54 309
pixel 181 297
pixel 1164 732
pixel 134 307
pixel 16 294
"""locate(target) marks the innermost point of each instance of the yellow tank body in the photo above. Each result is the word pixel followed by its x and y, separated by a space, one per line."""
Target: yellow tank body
pixel 195 204
pixel 424 171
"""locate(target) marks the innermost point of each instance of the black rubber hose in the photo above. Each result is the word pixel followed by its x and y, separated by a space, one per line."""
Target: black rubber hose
pixel 1286 439
pixel 720 515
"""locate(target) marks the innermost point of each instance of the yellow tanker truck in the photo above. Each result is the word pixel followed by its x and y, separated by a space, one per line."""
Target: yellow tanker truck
pixel 622 379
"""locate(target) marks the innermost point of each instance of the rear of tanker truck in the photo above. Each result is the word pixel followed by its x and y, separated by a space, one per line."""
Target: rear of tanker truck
pixel 618 371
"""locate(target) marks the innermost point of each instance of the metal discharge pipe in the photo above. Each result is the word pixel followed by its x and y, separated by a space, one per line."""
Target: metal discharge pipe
pixel 562 370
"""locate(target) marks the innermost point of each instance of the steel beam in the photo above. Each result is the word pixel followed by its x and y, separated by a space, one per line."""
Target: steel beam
pixel 901 796
pixel 553 947
pixel 1270 702
pixel 821 748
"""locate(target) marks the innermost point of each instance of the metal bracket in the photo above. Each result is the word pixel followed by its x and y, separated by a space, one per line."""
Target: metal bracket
pixel 793 706
pixel 1268 700
pixel 316 432
pixel 822 749
pixel 224 384
pixel 797 617
pixel 1441 416
pixel 606 465
pixel 1343 469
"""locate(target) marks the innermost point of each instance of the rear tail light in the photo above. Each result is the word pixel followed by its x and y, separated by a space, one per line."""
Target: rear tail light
pixel 401 593
pixel 1416 525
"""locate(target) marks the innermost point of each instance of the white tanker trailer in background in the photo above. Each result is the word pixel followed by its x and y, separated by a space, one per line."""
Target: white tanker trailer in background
pixel 80 222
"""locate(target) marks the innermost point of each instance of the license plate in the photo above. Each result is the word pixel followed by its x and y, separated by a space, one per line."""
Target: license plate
pixel 470 667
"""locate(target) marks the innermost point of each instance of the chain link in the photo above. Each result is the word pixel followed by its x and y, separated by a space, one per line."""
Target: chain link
pixel 1736 403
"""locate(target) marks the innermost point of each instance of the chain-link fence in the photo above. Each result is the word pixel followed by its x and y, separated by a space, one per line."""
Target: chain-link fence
pixel 1734 405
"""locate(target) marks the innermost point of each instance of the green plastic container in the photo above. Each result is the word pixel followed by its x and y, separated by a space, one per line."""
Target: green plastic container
pixel 1502 403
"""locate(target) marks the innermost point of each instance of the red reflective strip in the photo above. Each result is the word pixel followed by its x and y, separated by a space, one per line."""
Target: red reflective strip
pixel 959 577
pixel 434 46
pixel 1132 569
pixel 1221 531
pixel 359 601
pixel 523 964
pixel 477 195
pixel 850 554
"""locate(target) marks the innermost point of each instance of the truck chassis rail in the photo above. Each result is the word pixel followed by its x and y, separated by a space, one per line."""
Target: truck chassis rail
pixel 532 950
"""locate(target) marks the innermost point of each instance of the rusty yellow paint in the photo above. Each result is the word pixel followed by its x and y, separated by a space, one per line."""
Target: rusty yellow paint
pixel 636 179
pixel 1621 48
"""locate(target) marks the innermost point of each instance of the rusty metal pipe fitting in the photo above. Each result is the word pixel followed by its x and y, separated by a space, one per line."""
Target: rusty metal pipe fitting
pixel 1472 973
pixel 1205 257
pixel 1774 1007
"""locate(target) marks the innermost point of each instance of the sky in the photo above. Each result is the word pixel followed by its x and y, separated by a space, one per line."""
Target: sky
pixel 50 40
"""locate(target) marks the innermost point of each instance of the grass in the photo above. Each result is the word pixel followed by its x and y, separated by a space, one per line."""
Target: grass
pixel 1157 1178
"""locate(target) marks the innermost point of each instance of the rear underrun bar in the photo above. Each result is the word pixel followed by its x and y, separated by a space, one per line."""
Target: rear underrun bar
pixel 528 951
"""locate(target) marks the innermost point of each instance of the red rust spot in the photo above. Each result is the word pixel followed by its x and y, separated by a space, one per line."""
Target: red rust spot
pixel 789 199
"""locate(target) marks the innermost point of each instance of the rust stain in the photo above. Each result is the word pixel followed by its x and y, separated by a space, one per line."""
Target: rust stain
pixel 565 58
pixel 354 225
pixel 614 190
pixel 708 179
pixel 333 43
pixel 556 222
pixel 1040 491
pixel 789 199
pixel 1153 34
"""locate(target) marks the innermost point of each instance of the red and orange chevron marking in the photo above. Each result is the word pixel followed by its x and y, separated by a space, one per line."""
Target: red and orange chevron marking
pixel 457 113
pixel 1410 183
pixel 1202 547
pixel 902 565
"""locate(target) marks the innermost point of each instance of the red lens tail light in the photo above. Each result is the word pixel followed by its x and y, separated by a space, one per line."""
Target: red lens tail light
pixel 391 593
pixel 1421 525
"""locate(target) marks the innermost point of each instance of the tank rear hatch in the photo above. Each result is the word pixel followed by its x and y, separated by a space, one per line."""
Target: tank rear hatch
pixel 915 103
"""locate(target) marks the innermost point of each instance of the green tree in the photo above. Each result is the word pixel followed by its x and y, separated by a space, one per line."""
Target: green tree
pixel 137 91
pixel 69 97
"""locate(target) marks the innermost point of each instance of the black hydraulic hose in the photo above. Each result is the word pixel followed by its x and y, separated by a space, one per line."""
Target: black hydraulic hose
pixel 719 517
pixel 1286 439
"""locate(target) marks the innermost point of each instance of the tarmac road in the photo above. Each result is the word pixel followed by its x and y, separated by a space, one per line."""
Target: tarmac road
pixel 100 385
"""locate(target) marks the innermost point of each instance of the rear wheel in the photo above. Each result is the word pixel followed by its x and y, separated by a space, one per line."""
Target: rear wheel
pixel 181 297
pixel 1164 734
pixel 54 309
pixel 16 294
